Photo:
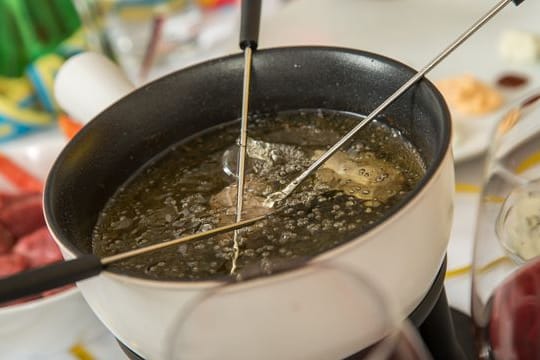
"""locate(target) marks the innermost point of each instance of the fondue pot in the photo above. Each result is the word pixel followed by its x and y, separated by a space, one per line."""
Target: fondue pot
pixel 402 253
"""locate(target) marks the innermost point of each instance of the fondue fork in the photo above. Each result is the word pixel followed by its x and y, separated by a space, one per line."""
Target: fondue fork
pixel 249 33
pixel 280 195
pixel 63 273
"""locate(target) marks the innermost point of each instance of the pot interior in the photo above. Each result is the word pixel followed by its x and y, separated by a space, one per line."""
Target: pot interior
pixel 128 134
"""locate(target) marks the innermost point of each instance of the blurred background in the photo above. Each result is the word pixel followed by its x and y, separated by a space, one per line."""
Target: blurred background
pixel 150 38
pixel 147 38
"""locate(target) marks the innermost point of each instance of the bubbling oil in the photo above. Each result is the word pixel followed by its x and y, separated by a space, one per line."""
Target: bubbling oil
pixel 185 190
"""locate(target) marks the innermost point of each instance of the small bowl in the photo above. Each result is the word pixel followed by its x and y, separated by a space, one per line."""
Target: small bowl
pixel 54 323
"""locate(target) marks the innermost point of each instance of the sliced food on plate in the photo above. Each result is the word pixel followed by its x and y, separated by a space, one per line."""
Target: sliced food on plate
pixel 25 241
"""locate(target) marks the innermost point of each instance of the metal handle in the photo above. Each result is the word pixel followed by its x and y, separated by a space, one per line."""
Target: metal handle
pixel 34 281
pixel 249 26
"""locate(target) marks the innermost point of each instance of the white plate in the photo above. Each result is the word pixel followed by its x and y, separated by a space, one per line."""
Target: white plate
pixel 414 31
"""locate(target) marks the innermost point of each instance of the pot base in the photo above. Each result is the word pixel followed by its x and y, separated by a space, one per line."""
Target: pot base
pixel 446 332
pixel 463 326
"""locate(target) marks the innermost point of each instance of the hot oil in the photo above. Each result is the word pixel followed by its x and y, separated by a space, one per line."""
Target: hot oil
pixel 185 190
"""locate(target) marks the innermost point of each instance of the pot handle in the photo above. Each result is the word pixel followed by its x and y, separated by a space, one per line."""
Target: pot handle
pixel 48 277
pixel 87 84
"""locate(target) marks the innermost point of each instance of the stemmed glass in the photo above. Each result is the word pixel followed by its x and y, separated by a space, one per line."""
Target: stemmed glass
pixel 314 311
pixel 506 261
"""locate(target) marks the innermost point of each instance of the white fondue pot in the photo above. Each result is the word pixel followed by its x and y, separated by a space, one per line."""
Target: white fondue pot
pixel 402 254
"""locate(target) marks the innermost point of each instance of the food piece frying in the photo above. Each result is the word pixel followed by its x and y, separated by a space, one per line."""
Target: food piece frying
pixel 365 177
pixel 253 200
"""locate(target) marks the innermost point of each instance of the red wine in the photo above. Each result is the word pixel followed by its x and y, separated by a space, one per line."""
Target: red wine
pixel 514 328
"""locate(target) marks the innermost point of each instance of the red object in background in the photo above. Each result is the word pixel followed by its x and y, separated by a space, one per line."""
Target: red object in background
pixel 209 4
pixel 11 264
pixel 57 290
pixel 19 177
pixel 69 127
pixel 38 248
pixel 6 240
pixel 24 216
pixel 514 327
pixel 25 241
pixel 6 199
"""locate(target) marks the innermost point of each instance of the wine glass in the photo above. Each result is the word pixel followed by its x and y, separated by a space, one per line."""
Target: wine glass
pixel 506 261
pixel 314 311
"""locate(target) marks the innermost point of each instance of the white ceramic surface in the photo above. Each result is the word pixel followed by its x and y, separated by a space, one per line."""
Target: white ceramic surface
pixel 301 306
pixel 39 328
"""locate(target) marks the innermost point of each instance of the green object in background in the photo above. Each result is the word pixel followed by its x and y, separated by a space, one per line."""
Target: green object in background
pixel 30 28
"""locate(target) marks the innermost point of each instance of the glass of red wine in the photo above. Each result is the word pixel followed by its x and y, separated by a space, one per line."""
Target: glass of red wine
pixel 313 311
pixel 506 258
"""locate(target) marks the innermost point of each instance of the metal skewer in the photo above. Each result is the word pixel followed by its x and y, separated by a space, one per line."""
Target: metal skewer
pixel 83 267
pixel 280 195
pixel 249 33
pixel 197 236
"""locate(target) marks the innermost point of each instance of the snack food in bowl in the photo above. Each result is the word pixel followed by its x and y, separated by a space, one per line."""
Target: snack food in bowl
pixel 53 321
